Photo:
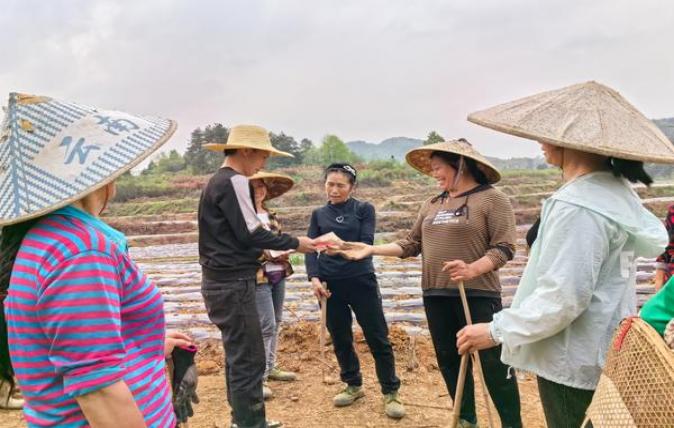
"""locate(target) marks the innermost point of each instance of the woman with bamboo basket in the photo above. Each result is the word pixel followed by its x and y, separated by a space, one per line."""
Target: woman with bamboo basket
pixel 580 278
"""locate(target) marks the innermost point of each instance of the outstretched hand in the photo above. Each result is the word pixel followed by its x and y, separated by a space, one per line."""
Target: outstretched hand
pixel 355 250
pixel 306 245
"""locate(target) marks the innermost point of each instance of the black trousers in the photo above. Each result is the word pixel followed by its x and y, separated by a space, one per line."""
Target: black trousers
pixel 231 307
pixel 564 406
pixel 362 295
pixel 445 319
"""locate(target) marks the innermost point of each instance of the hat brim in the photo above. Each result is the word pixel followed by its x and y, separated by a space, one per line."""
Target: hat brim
pixel 53 182
pixel 420 159
pixel 587 117
pixel 622 153
pixel 276 186
pixel 220 147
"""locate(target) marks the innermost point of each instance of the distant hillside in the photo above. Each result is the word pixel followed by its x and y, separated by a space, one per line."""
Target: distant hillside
pixel 667 127
pixel 519 163
pixel 396 147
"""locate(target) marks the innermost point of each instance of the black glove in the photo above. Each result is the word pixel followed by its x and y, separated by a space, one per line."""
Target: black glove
pixel 184 382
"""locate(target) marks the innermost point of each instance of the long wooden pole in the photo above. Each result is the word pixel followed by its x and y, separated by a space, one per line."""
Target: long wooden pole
pixel 475 356
pixel 458 397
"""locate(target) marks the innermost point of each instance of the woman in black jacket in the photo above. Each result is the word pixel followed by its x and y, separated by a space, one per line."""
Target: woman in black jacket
pixel 352 285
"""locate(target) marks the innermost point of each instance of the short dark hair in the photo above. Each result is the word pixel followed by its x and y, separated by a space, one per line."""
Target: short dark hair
pixel 452 159
pixel 230 152
pixel 344 168
pixel 630 169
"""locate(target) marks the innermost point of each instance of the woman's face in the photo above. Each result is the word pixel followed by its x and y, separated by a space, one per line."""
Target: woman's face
pixel 337 187
pixel 553 155
pixel 260 190
pixel 443 173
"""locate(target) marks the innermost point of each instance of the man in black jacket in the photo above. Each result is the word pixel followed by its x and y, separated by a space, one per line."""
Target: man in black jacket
pixel 231 239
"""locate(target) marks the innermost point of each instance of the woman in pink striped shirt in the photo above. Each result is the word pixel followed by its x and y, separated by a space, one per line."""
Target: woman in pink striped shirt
pixel 85 327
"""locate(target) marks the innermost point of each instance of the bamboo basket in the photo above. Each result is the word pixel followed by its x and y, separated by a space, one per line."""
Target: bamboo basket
pixel 636 388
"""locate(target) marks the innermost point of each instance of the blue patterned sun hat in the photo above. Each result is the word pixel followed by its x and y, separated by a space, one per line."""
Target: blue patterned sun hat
pixel 53 153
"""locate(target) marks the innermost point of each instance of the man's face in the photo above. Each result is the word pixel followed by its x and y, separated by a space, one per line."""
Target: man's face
pixel 254 160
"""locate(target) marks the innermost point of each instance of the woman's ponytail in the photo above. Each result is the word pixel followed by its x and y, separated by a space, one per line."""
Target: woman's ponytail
pixel 632 170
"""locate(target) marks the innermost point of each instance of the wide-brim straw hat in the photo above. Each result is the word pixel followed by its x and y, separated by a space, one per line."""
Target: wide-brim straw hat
pixel 420 158
pixel 247 137
pixel 588 117
pixel 53 153
pixel 277 184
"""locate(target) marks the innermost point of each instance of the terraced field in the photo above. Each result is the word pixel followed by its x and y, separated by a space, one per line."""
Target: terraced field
pixel 175 269
pixel 165 246
pixel 163 235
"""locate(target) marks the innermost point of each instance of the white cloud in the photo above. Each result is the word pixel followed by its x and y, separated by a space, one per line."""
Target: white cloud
pixel 361 69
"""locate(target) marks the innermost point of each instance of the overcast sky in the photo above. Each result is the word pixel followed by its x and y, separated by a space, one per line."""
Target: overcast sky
pixel 360 69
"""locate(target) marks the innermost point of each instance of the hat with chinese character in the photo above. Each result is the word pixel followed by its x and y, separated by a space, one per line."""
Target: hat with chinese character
pixel 589 117
pixel 53 152
pixel 277 184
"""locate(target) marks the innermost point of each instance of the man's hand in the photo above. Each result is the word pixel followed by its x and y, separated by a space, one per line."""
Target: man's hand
pixel 306 245
pixel 473 338
pixel 356 250
pixel 459 270
pixel 319 291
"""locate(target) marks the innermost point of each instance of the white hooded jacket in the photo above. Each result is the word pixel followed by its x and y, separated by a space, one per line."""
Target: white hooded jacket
pixel 580 280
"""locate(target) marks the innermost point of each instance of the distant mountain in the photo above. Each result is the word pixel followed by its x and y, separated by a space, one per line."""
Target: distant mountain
pixel 396 147
pixel 399 146
pixel 518 163
pixel 667 127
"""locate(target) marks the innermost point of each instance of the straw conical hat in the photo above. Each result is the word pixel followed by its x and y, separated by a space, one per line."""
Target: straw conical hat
pixel 420 158
pixel 247 137
pixel 589 117
pixel 53 153
pixel 277 184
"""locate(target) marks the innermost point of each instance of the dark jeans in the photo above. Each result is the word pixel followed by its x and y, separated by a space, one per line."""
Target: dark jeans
pixel 231 307
pixel 362 295
pixel 564 406
pixel 445 319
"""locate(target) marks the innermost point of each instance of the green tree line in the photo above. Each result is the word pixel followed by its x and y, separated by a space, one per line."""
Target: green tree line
pixel 197 160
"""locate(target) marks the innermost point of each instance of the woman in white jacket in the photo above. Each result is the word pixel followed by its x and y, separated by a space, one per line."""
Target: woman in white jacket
pixel 580 279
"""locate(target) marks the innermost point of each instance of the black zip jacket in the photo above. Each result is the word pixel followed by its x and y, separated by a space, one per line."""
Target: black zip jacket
pixel 231 236
pixel 352 221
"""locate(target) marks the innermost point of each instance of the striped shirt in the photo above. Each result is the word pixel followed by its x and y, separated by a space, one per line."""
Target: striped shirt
pixel 472 225
pixel 82 316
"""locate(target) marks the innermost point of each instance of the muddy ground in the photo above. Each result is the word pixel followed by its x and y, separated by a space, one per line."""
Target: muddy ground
pixel 307 402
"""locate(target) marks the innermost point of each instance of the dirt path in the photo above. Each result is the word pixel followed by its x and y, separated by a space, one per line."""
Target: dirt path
pixel 307 402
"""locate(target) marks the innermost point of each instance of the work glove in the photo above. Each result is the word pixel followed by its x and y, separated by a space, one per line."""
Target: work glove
pixel 184 382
